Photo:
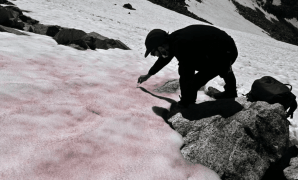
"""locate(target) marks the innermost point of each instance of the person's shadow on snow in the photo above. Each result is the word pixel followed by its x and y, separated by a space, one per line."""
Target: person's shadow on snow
pixel 222 107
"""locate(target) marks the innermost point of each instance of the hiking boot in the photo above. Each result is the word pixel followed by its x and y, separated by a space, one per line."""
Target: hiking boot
pixel 225 95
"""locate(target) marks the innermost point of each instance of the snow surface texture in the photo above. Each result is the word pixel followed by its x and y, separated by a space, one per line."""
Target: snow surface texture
pixel 224 14
pixel 276 2
pixel 70 114
pixel 293 21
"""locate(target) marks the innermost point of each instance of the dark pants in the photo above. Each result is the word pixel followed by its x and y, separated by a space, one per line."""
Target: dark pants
pixel 222 60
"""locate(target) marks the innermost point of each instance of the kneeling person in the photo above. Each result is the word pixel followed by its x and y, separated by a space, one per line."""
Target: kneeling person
pixel 202 48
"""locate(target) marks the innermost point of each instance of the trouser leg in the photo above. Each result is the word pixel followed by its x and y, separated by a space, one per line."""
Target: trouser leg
pixel 230 86
pixel 229 57
pixel 186 83
pixel 190 83
pixel 230 80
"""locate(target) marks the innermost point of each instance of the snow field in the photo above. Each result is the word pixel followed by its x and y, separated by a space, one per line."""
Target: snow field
pixel 70 114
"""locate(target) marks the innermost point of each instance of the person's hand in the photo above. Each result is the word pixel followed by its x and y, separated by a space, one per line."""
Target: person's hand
pixel 143 78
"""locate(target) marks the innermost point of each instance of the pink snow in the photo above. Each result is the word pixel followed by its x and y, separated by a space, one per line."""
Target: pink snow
pixel 70 114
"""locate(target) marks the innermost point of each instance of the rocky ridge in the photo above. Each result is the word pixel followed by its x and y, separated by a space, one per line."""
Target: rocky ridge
pixel 280 30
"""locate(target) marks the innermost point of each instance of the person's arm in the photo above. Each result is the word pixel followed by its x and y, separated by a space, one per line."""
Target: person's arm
pixel 159 64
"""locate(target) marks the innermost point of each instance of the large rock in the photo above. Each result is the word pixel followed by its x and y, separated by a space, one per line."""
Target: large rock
pixel 48 30
pixel 10 17
pixel 93 40
pixel 170 86
pixel 291 172
pixel 102 42
pixel 6 15
pixel 241 146
pixel 67 36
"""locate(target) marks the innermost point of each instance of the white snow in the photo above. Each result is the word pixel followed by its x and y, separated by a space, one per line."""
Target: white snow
pixel 293 22
pixel 225 14
pixel 70 114
pixel 276 2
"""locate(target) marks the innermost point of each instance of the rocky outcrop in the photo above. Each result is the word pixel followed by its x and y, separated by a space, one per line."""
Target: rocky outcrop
pixel 241 146
pixel 291 172
pixel 102 42
pixel 280 30
pixel 75 38
pixel 10 18
pixel 13 17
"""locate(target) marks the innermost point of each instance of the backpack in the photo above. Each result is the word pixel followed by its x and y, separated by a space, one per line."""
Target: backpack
pixel 272 91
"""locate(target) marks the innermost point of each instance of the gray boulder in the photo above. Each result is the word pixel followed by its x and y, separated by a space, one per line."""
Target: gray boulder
pixel 240 146
pixel 102 42
pixel 67 36
pixel 6 15
pixel 48 30
pixel 170 86
pixel 291 172
pixel 10 18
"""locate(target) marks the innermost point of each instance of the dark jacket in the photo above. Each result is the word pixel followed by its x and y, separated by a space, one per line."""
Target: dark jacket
pixel 196 46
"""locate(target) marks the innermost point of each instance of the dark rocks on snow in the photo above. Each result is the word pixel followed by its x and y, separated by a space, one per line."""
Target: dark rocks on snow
pixel 13 17
pixel 280 29
pixel 102 42
pixel 48 30
pixel 241 145
pixel 10 16
pixel 128 6
pixel 53 30
pixel 7 14
pixel 75 37
pixel 11 30
pixel 27 19
pixel 71 36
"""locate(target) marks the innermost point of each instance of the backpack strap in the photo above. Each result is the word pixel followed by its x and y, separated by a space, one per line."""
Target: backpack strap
pixel 289 85
pixel 293 107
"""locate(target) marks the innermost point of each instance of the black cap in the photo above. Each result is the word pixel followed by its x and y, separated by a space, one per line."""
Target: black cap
pixel 155 38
